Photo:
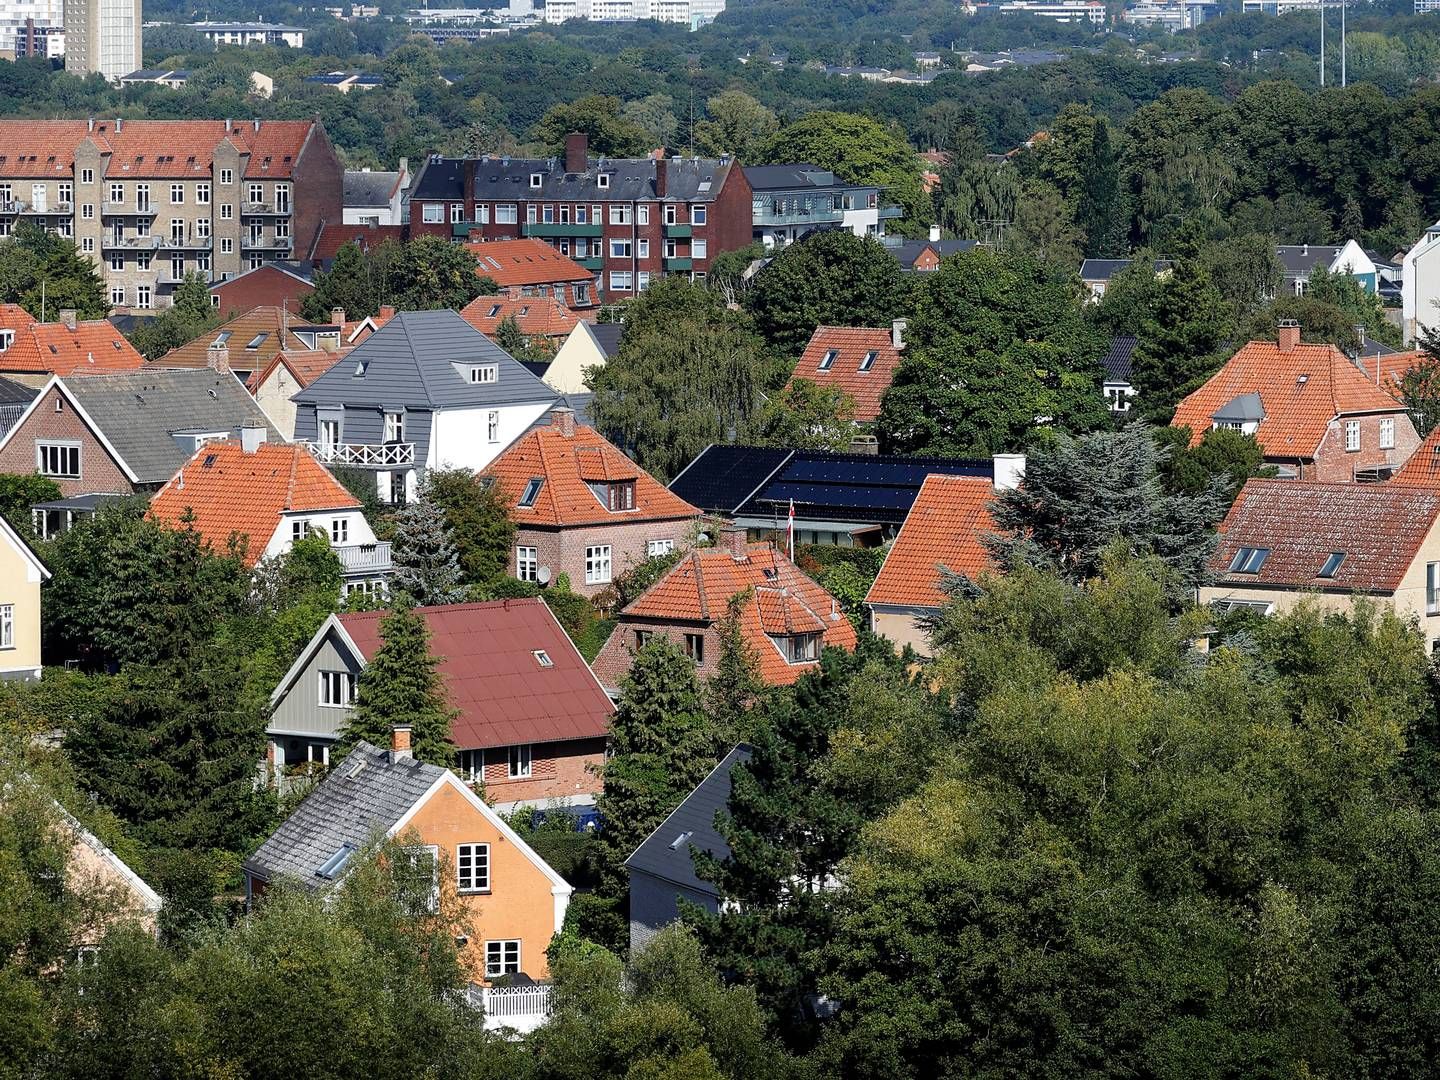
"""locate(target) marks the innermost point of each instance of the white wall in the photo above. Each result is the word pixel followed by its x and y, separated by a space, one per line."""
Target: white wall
pixel 1421 287
pixel 358 529
pixel 459 438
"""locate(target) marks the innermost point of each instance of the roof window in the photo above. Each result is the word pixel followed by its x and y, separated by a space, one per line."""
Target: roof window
pixel 333 865
pixel 602 181
pixel 532 491
pixel 681 840
pixel 1249 560
pixel 494 310
pixel 537 179
pixel 257 341
pixel 1332 564
pixel 868 360
pixel 543 658
pixel 828 360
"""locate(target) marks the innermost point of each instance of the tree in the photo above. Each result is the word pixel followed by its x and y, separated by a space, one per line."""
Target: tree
pixel 348 284
pixel 1101 213
pixel 735 687
pixel 1420 387
pixel 1247 273
pixel 479 521
pixel 510 338
pixel 45 273
pixel 19 493
pixel 189 315
pixel 654 115
pixel 1183 344
pixel 427 273
pixel 1336 306
pixel 402 684
pixel 1222 453
pixel 427 564
pixel 805 415
pixel 978 199
pixel 1043 228
pixel 598 118
pixel 736 124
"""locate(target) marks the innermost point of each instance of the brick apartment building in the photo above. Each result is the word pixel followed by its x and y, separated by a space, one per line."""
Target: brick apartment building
pixel 151 200
pixel 628 220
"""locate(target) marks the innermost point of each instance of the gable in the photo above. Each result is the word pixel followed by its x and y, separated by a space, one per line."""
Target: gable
pixel 42 421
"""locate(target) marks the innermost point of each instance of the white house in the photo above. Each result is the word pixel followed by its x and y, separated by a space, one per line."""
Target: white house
pixel 1420 289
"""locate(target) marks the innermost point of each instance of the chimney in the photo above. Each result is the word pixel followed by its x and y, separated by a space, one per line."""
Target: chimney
pixel 90 124
pixel 67 318
pixel 337 316
pixel 1009 470
pixel 661 175
pixel 387 311
pixel 217 358
pixel 563 421
pixel 897 334
pixel 733 540
pixel 1287 336
pixel 251 436
pixel 934 234
pixel 577 152
pixel 399 742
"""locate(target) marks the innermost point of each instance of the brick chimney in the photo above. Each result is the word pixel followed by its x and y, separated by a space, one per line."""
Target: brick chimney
pixel 387 311
pixel 897 334
pixel 563 421
pixel 399 742
pixel 217 358
pixel 734 541
pixel 577 152
pixel 1287 336
pixel 661 175
pixel 67 318
pixel 337 316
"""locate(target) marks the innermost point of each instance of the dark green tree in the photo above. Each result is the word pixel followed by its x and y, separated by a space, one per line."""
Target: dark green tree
pixel 1222 453
pixel 1420 387
pixel 45 274
pixel 479 521
pixel 598 117
pixel 189 315
pixel 1101 212
pixel 805 415
pixel 1184 343
pixel 19 493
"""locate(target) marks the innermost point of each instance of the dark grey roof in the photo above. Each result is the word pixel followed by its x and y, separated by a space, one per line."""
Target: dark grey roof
pixel 369 188
pixel 1370 347
pixel 155 74
pixel 1119 361
pixel 686 179
pixel 1105 269
pixel 799 177
pixel 608 336
pixel 141 412
pixel 666 852
pixel 361 798
pixel 910 250
pixel 12 392
pixel 1246 408
pixel 411 361
pixel 1300 259
pixel 440 178
pixel 84 503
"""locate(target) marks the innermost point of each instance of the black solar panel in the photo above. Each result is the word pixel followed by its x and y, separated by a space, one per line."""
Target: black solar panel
pixel 722 476
pixel 854 487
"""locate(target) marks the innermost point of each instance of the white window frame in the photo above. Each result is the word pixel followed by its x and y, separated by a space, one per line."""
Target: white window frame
pixel 299 530
pixel 336 689
pixel 597 565
pixel 472 868
pixel 1432 588
pixel 432 213
pixel 699 249
pixel 227 176
pixel 57 446
pixel 1352 436
pixel 619 214
pixel 7 626
pixel 527 563
pixel 620 281
pixel 695 646
pixel 656 548
pixel 177 194
pixel 432 903
pixel 507 213
pixel 485 373
pixel 202 194
pixel 697 214
pixel 394 427
pixel 1387 434
pixel 339 530
pixel 619 249
pixel 502 958
pixel 520 761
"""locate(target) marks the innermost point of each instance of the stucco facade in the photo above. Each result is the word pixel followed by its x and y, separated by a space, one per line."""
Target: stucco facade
pixel 21 575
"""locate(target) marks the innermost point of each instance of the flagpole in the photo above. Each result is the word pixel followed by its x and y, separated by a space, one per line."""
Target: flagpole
pixel 790 530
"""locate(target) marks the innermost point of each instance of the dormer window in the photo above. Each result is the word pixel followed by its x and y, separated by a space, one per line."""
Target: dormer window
pixel 621 496
pixel 602 181
pixel 799 648
pixel 1249 560
pixel 828 360
pixel 484 373
pixel 868 361
pixel 532 491
pixel 537 179
pixel 7 338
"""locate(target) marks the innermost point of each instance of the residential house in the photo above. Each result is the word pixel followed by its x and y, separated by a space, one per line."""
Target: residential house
pixel 588 345
pixel 287 373
pixel 32 351
pixel 534 268
pixel 375 197
pixel 532 720
pixel 1349 258
pixel 661 871
pixel 786 618
pixel 21 575
pixel 512 900
pixel 925 255
pixel 859 361
pixel 345 81
pixel 254 33
pixel 426 390
pixel 627 220
pixel 944 532
pixel 540 318
pixel 1285 542
pixel 124 434
pixel 583 509
pixel 171 78
pixel 335 234
pixel 272 494
pixel 850 500
pixel 248 342
pixel 1119 364
pixel 1095 274
pixel 1420 289
pixel 1315 413
pixel 792 201
pixel 14 398
pixel 272 285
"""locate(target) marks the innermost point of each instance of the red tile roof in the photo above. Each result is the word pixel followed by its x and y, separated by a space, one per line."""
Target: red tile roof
pixel 492 676
pixel 851 344
pixel 1388 370
pixel 92 348
pixel 566 463
pixel 306 365
pixel 536 316
pixel 1378 527
pixel 943 528
pixel 229 491
pixel 525 262
pixel 140 149
pixel 1301 390
pixel 334 236
pixel 275 323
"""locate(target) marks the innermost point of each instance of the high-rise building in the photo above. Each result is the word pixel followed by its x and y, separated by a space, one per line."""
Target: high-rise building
pixel 16 14
pixel 103 36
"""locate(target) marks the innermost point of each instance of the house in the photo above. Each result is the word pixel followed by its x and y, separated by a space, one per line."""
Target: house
pixel 253 33
pixel 14 398
pixel 532 721
pixel 345 81
pixel 1095 274
pixel 173 79
pixel 582 508
pixel 271 494
pixel 926 255
pixel 850 500
pixel 627 220
pixel 248 342
pixel 661 871
pixel 1287 541
pixel 540 317
pixel 335 234
pixel 791 201
pixel 1119 364
pixel 944 531
pixel 859 361
pixel 126 434
pixel 287 373
pixel 21 575
pixel 511 898
pixel 786 618
pixel 1420 289
pixel 375 197
pixel 588 345
pixel 426 390
pixel 272 285
pixel 31 351
pixel 1315 413
pixel 1349 258
pixel 532 268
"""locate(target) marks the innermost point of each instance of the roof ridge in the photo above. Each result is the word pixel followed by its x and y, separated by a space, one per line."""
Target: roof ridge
pixel 290 487
pixel 700 584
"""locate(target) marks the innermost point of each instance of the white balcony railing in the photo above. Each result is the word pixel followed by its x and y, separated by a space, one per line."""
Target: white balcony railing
pixel 523 1008
pixel 364 455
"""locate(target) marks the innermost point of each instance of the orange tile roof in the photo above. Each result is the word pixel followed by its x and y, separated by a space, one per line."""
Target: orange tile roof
pixel 943 528
pixel 536 316
pixel 231 492
pixel 565 463
pixel 150 148
pixel 306 365
pixel 274 322
pixel 1388 370
pixel 851 344
pixel 94 347
pixel 1422 468
pixel 1301 391
pixel 525 262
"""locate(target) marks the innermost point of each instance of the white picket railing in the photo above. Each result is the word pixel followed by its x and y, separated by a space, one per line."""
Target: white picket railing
pixel 367 455
pixel 523 1008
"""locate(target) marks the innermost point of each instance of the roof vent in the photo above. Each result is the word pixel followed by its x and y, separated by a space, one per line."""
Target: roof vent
pixel 681 840
pixel 1301 380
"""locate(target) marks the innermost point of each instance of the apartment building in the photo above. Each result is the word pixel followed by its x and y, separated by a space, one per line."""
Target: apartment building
pixel 152 200
pixel 16 16
pixel 102 36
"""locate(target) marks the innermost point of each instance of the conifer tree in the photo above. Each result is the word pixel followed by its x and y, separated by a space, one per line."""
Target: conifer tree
pixel 734 687
pixel 427 565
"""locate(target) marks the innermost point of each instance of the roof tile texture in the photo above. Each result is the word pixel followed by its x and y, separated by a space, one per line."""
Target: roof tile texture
pixel 943 528
pixel 273 322
pixel 92 348
pixel 525 262
pixel 851 344
pixel 536 316
pixel 151 148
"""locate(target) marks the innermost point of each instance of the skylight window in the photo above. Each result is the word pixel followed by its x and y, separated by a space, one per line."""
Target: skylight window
pixel 681 840
pixel 494 310
pixel 1249 560
pixel 543 658
pixel 868 361
pixel 333 865
pixel 1332 564
pixel 256 341
pixel 828 360
pixel 221 338
pixel 532 491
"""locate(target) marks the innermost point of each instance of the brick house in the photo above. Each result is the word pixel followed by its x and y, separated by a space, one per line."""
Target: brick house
pixel 32 351
pixel 532 721
pixel 533 268
pixel 859 361
pixel 273 285
pixel 786 617
pixel 1316 414
pixel 582 508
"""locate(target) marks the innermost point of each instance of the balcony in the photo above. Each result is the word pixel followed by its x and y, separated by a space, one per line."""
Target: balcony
pixel 187 243
pixel 592 262
pixel 112 242
pixel 672 265
pixel 889 213
pixel 48 208
pixel 676 231
pixel 804 216
pixel 275 243
pixel 364 455
pixel 520 1008
pixel 559 228
pixel 12 206
pixel 139 209
pixel 260 209
pixel 367 560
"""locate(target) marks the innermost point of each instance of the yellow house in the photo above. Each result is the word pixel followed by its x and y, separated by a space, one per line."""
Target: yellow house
pixel 588 345
pixel 21 574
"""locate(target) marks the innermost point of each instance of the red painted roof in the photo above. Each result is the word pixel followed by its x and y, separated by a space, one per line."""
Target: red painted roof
pixel 143 149
pixel 334 236
pixel 92 348
pixel 504 695
pixel 526 262
pixel 851 344
pixel 943 528
pixel 536 316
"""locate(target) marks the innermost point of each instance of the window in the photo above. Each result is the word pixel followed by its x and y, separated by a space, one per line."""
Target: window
pixel 432 213
pixel 642 638
pixel 672 249
pixel 597 565
pixel 1387 434
pixel 537 179
pixel 505 214
pixel 63 459
pixel 472 867
pixel 482 214
pixel 527 563
pixel 337 689
pixel 177 194
pixel 87 211
pixel 484 373
pixel 298 531
pixel 1249 560
pixel 579 215
pixel 227 245
pixel 828 360
pixel 282 198
pixel 621 496
pixel 7 626
pixel 492 426
pixel 543 658
pixel 1352 436
pixel 519 762
pixel 656 548
pixel 457 212
pixel 697 215
pixel 642 280
pixel 202 194
pixel 642 249
pixel 142 196
pixel 671 214
pixel 117 193
pixel 417 873
pixel 394 427
pixel 227 211
pixel 619 249
pixel 332 866
pixel 87 176
pixel 699 249
pixel 695 647
pixel 530 214
pixel 620 280
pixel 602 181
pixel 117 295
pixel 257 193
pixel 142 293
pixel 202 228
pixel 1332 564
pixel 502 958
pixel 329 435
pixel 802 648
pixel 868 360
pixel 547 215
pixel 532 490
pixel 1432 588
pixel 142 227
pixel 339 530
pixel 117 264
pixel 619 214
pixel 66 191
pixel 227 176
pixel 642 214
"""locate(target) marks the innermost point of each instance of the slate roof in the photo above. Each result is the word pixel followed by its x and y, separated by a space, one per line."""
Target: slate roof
pixel 535 316
pixel 410 362
pixel 1379 528
pixel 364 797
pixel 369 189
pixel 508 179
pixel 1119 362
pixel 525 262
pixel 1105 269
pixel 93 347
pixel 141 149
pixel 141 413
pixel 798 177
pixel 252 338
pixel 851 344
pixel 607 336
pixel 944 528
pixel 227 491
pixel 909 250
pixel 566 464
pixel 665 854
pixel 1300 259
pixel 15 398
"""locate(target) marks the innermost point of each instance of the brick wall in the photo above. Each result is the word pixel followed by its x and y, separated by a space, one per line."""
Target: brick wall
pixel 267 287
pixel 318 189
pixel 1334 463
pixel 98 470
pixel 563 550
pixel 732 215
pixel 613 661
pixel 557 770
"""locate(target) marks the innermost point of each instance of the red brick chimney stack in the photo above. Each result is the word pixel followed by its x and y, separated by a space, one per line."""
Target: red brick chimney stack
pixel 400 742
pixel 217 358
pixel 734 541
pixel 337 316
pixel 1288 335
pixel 577 152
pixel 661 165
